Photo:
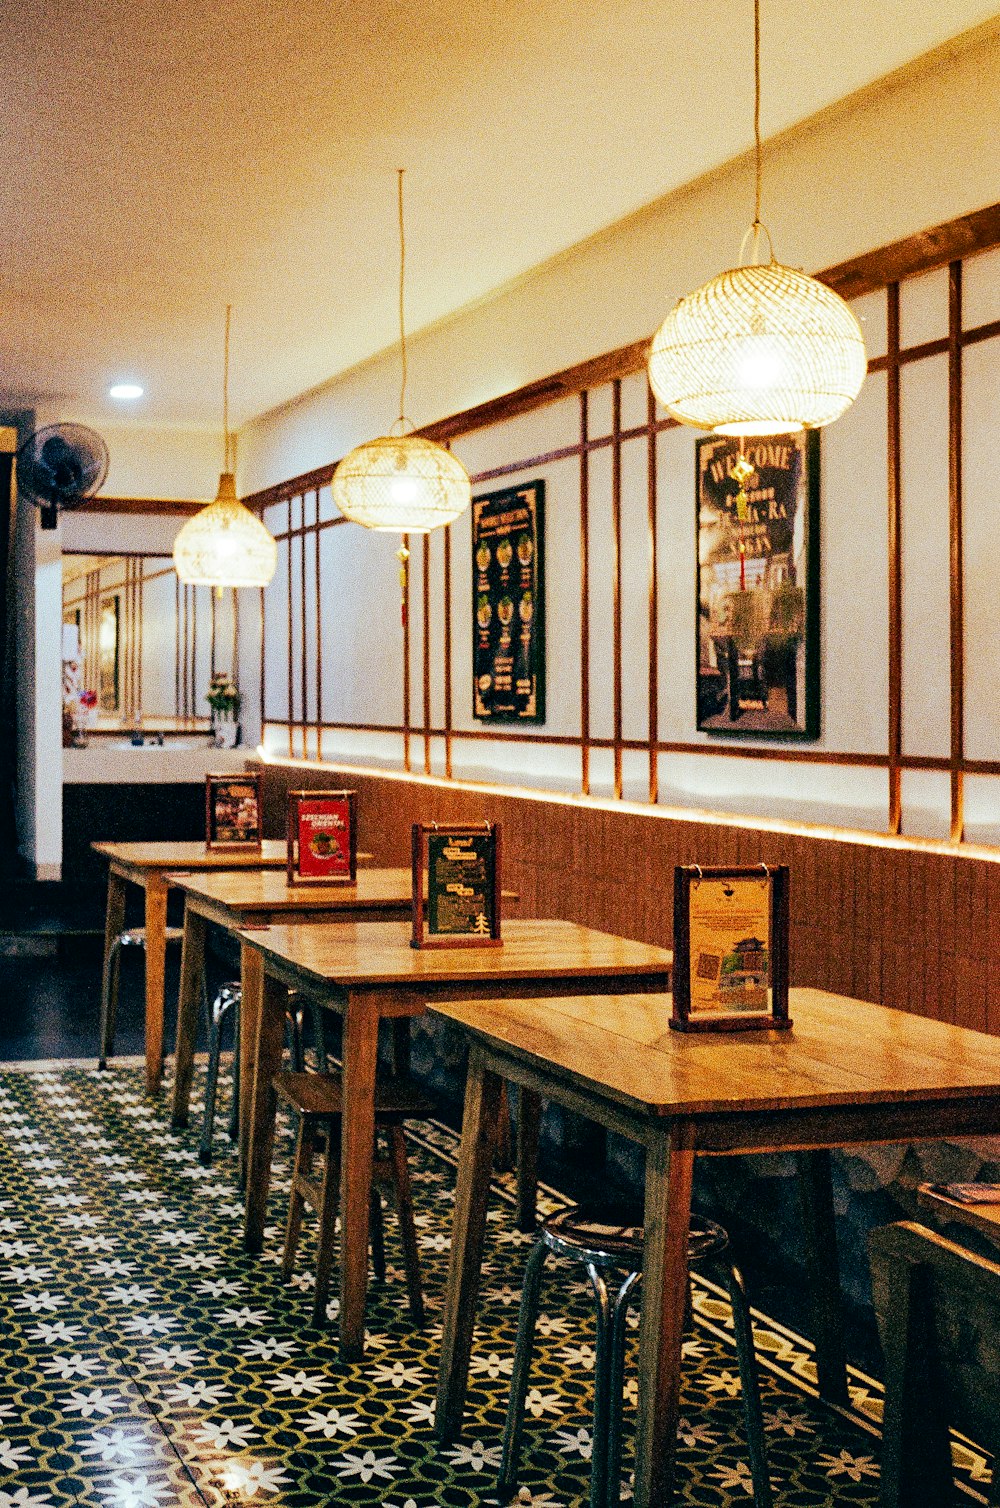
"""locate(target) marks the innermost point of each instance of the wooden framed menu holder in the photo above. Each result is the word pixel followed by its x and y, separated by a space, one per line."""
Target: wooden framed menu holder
pixel 730 949
pixel 456 886
pixel 322 838
pixel 233 812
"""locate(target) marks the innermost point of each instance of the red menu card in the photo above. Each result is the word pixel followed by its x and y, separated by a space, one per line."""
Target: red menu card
pixel 321 837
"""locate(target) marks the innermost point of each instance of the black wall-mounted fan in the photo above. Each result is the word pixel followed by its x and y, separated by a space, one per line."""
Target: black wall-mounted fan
pixel 60 467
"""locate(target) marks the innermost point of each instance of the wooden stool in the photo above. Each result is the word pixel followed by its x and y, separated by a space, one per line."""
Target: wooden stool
pixel 938 1306
pixel 318 1101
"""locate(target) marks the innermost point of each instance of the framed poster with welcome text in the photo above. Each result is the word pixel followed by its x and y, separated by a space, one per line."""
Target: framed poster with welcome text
pixel 508 605
pixel 730 968
pixel 456 886
pixel 758 586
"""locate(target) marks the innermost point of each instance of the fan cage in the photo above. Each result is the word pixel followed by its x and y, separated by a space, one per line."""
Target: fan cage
pixel 39 477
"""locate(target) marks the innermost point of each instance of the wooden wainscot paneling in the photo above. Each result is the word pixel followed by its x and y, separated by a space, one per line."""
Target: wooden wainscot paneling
pixel 902 924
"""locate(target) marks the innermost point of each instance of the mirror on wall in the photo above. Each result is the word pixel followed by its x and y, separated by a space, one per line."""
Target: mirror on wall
pixel 139 649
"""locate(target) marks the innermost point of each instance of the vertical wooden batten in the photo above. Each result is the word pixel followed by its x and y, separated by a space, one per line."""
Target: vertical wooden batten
pixel 616 578
pixel 319 638
pixel 447 652
pixel 302 630
pixel 955 534
pixel 654 637
pixel 291 656
pixel 405 544
pixel 894 498
pixel 426 626
pixel 263 667
pixel 141 602
pixel 584 598
pixel 177 653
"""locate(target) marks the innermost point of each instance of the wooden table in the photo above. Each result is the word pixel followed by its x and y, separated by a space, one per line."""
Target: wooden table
pixel 149 866
pixel 237 899
pixel 848 1072
pixel 370 972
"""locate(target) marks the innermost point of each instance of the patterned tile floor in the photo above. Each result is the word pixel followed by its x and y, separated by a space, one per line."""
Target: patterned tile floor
pixel 147 1361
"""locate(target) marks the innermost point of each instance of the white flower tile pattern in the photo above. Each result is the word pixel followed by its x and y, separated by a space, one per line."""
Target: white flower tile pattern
pixel 149 1362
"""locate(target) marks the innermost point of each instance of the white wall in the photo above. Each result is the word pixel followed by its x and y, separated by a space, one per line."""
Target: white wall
pixel 145 460
pixel 882 166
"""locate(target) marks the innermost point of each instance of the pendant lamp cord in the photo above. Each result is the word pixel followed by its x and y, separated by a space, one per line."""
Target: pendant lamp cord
pixel 756 109
pixel 402 303
pixel 225 392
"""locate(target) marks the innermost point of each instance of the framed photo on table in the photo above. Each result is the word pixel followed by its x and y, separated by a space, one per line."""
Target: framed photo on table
pixel 456 886
pixel 233 812
pixel 758 586
pixel 730 948
pixel 322 841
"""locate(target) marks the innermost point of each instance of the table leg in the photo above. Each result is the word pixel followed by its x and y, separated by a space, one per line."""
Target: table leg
pixel 401 1044
pixel 113 924
pixel 360 1056
pixel 156 955
pixel 669 1169
pixel 819 1226
pixel 529 1118
pixel 269 1041
pixel 475 1163
pixel 251 995
pixel 188 1001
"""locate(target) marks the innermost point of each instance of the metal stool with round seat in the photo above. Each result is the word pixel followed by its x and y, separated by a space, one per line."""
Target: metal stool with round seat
pixel 317 1099
pixel 132 937
pixel 608 1244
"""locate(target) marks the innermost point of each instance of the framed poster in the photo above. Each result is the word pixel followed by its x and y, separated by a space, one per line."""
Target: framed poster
pixel 758 586
pixel 456 886
pixel 508 602
pixel 322 846
pixel 232 811
pixel 108 654
pixel 730 948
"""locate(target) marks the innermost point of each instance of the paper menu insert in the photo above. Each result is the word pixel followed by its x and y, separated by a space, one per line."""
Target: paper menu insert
pixel 324 844
pixel 460 884
pixel 730 946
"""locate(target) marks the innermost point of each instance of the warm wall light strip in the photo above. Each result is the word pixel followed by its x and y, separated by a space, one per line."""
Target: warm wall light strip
pixel 685 814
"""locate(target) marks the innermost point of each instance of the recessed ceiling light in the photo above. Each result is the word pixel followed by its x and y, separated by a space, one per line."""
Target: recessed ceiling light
pixel 125 391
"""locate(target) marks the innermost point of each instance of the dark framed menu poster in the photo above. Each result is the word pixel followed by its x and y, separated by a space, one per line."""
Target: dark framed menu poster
pixel 730 948
pixel 232 811
pixel 321 837
pixel 456 886
pixel 508 603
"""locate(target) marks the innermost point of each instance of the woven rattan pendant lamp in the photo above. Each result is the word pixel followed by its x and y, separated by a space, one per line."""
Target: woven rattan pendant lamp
pixel 762 349
pixel 401 482
pixel 225 544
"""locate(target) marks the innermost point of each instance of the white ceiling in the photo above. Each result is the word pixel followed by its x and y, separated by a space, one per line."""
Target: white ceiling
pixel 164 156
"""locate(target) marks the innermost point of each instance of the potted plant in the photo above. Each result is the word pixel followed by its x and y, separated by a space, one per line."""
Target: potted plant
pixel 224 699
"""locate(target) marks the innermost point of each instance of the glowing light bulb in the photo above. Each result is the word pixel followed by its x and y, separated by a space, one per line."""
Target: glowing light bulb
pixel 403 489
